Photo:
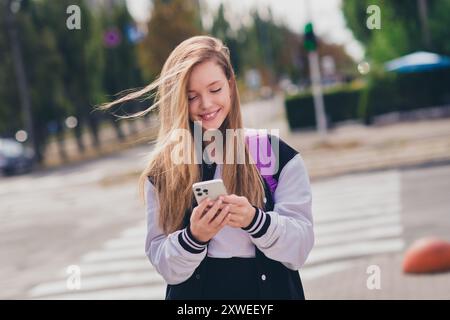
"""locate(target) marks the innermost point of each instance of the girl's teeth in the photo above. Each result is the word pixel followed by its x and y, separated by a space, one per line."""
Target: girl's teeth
pixel 209 116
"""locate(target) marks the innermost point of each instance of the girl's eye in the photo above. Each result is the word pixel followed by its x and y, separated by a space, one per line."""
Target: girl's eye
pixel 194 97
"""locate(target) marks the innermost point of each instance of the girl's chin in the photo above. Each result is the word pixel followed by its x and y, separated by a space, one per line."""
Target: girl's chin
pixel 211 126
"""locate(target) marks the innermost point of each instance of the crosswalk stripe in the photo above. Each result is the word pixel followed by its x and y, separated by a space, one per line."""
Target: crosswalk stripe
pixel 120 243
pixel 327 206
pixel 354 249
pixel 155 292
pixel 134 232
pixel 316 271
pixel 102 267
pixel 118 254
pixel 366 234
pixel 354 214
pixel 371 189
pixel 123 279
pixel 355 225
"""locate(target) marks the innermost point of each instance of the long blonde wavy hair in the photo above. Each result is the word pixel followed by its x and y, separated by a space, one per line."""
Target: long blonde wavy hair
pixel 173 182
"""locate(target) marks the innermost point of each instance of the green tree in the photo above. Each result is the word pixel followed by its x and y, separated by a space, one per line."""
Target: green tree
pixel 83 63
pixel 64 69
pixel 39 54
pixel 401 30
pixel 10 114
pixel 171 22
pixel 271 47
pixel 122 70
pixel 221 29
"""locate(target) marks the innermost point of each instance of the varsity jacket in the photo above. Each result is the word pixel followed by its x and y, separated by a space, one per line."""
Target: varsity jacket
pixel 282 233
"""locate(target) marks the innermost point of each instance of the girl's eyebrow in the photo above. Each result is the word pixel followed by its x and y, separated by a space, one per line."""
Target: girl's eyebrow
pixel 214 82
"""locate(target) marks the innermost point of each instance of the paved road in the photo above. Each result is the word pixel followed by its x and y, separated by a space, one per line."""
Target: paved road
pixel 68 217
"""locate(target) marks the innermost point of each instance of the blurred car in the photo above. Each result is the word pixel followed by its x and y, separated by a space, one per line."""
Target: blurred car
pixel 14 157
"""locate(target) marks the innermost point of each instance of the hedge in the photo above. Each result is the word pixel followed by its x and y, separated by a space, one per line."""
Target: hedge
pixel 340 104
pixel 384 93
pixel 390 92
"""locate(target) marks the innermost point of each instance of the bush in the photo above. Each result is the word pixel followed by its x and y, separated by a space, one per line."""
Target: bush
pixel 340 104
pixel 391 92
pixel 384 93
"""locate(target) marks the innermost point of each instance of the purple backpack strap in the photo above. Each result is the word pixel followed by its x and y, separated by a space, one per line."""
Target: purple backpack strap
pixel 265 159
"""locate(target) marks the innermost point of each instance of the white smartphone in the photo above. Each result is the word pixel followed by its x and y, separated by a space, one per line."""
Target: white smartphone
pixel 211 189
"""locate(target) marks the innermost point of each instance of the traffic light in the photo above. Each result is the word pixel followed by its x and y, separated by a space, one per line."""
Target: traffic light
pixel 310 42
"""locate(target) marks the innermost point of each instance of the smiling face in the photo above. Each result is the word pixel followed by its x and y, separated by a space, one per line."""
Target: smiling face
pixel 209 95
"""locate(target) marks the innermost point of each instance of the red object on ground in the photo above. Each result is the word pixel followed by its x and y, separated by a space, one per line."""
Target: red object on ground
pixel 427 255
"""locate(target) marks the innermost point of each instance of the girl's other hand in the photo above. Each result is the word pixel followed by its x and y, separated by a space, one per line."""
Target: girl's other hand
pixel 241 211
pixel 208 218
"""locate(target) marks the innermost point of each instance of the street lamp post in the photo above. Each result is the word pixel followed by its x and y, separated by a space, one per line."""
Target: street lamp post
pixel 314 71
pixel 423 14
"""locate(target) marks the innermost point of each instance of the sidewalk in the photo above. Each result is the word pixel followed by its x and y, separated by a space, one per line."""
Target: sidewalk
pixel 357 148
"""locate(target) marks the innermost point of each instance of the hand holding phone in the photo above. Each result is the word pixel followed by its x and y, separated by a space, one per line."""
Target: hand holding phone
pixel 211 189
pixel 206 219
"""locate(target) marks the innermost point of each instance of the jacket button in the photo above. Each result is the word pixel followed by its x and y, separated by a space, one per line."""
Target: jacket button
pixel 265 200
pixel 263 277
pixel 197 276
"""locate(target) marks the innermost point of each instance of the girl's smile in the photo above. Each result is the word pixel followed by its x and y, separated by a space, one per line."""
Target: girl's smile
pixel 210 116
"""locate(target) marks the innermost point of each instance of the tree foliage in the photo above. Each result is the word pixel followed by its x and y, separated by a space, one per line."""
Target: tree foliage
pixel 401 28
pixel 170 23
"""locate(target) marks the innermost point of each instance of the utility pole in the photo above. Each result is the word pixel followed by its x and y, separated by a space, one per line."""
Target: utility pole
pixel 314 71
pixel 22 84
pixel 423 14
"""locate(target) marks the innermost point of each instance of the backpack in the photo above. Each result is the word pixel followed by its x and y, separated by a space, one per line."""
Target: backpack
pixel 260 149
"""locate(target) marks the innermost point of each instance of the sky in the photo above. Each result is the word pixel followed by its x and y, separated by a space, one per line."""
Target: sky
pixel 326 15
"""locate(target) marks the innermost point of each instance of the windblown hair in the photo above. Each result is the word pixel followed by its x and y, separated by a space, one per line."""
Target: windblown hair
pixel 173 182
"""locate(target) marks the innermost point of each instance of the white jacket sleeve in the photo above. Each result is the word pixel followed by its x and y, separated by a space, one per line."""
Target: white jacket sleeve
pixel 174 256
pixel 286 233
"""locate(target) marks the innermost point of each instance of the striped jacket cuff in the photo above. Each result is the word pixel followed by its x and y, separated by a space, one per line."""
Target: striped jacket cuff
pixel 259 225
pixel 189 243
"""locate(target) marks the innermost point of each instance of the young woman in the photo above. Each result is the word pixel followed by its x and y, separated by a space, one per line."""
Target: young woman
pixel 248 244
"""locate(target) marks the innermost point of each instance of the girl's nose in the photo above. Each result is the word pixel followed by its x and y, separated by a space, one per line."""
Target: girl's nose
pixel 206 103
